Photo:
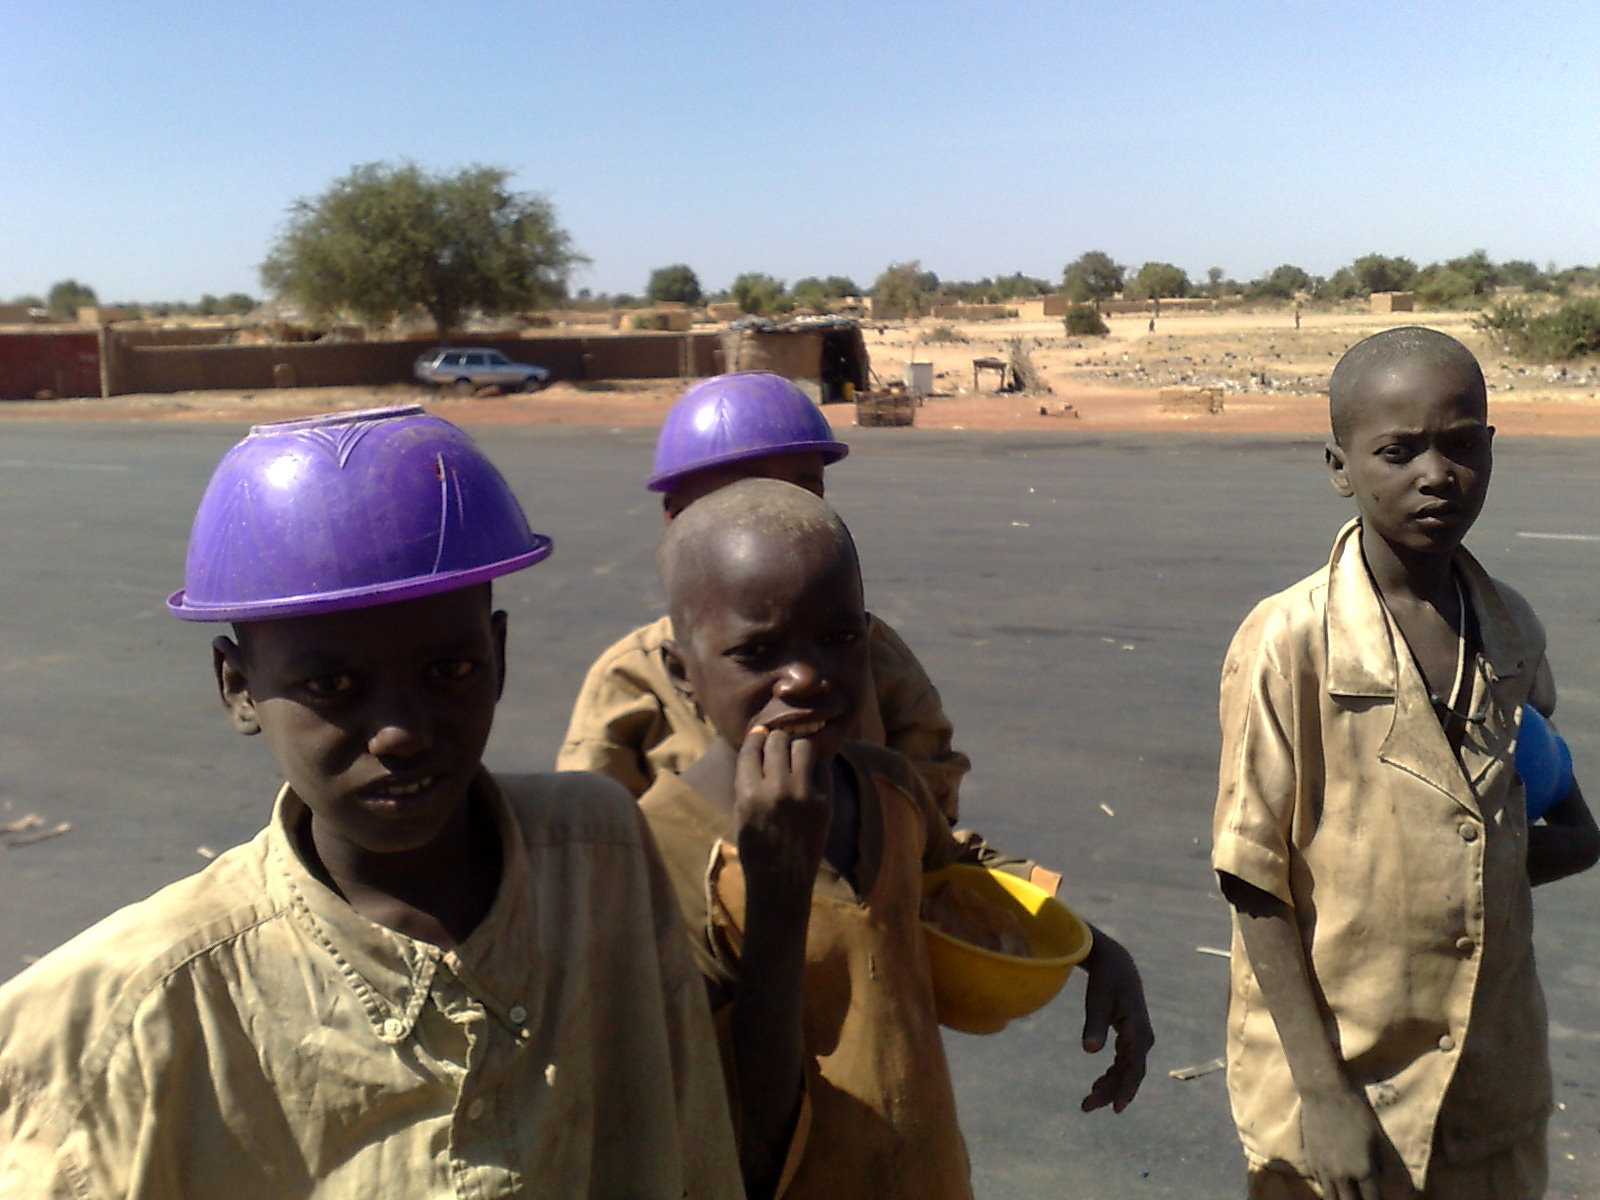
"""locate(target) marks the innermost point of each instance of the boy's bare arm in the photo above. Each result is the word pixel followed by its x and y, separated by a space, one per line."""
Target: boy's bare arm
pixel 783 814
pixel 1567 842
pixel 1341 1134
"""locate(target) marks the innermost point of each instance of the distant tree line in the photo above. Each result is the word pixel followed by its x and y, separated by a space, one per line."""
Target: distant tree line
pixel 389 241
pixel 1464 282
pixel 65 298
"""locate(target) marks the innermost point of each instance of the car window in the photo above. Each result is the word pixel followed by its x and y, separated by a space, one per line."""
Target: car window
pixel 495 359
pixel 474 360
pixel 449 360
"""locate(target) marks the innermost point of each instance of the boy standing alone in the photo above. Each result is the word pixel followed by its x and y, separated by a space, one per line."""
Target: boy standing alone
pixel 419 980
pixel 1386 1033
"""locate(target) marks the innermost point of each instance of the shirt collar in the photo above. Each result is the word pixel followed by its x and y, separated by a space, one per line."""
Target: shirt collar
pixel 1362 658
pixel 390 973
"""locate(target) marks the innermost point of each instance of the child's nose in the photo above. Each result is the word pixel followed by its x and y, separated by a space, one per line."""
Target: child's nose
pixel 1437 468
pixel 798 678
pixel 400 727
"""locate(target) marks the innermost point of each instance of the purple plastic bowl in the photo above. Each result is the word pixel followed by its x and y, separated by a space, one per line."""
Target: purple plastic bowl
pixel 349 510
pixel 728 418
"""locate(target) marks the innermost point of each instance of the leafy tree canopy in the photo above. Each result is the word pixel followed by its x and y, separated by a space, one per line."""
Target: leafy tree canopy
pixel 67 297
pixel 1283 282
pixel 1093 277
pixel 1159 280
pixel 386 240
pixel 905 287
pixel 1380 273
pixel 677 282
pixel 815 292
pixel 760 295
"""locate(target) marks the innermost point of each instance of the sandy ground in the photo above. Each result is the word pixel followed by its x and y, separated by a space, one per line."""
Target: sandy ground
pixel 1272 377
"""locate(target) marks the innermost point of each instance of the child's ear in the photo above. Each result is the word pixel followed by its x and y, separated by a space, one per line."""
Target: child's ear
pixel 233 685
pixel 1338 475
pixel 676 671
pixel 497 623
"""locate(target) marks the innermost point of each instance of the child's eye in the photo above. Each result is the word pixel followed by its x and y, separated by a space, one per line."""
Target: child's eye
pixel 749 652
pixel 1396 453
pixel 454 668
pixel 329 687
pixel 842 637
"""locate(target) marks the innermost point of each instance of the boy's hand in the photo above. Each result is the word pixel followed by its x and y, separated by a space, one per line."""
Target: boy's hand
pixel 1345 1149
pixel 783 811
pixel 1114 998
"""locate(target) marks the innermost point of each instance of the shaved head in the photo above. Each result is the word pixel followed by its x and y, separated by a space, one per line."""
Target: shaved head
pixel 738 523
pixel 1412 346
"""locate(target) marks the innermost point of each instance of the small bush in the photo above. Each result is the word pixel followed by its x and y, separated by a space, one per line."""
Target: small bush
pixel 942 334
pixel 1570 331
pixel 1084 320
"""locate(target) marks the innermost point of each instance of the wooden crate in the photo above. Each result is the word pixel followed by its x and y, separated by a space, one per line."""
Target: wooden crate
pixel 889 407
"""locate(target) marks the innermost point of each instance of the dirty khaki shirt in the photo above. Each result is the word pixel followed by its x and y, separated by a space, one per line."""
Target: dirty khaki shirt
pixel 882 1114
pixel 1405 866
pixel 245 1034
pixel 630 722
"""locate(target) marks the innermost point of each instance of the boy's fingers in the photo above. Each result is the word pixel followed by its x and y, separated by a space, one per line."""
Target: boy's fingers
pixel 747 769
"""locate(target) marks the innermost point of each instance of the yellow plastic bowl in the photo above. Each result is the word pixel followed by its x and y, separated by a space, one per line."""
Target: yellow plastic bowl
pixel 979 991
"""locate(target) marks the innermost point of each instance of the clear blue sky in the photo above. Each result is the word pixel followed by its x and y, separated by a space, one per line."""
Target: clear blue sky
pixel 151 150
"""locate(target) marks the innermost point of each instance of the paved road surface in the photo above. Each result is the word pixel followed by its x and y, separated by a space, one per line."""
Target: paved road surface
pixel 1072 595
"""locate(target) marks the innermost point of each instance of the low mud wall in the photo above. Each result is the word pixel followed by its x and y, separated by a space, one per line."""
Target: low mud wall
pixel 147 368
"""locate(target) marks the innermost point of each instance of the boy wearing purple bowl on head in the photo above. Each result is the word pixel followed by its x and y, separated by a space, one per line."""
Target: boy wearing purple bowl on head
pixel 1386 1032
pixel 419 979
pixel 628 721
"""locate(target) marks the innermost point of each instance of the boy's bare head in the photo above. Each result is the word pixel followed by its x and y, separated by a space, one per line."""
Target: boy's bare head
pixel 1411 441
pixel 1372 360
pixel 768 617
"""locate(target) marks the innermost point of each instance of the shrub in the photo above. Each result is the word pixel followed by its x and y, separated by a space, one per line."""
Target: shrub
pixel 942 334
pixel 1084 320
pixel 1570 331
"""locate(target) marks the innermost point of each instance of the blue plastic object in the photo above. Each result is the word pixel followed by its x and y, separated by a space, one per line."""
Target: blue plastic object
pixel 729 418
pixel 1543 761
pixel 349 510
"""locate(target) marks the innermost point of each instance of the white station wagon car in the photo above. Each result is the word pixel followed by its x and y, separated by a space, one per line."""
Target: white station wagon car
pixel 467 368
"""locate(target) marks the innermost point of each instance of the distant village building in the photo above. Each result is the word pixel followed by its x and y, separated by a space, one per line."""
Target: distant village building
pixel 1393 302
pixel 828 351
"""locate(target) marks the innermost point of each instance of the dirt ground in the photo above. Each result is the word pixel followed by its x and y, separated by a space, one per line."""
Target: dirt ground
pixel 1272 377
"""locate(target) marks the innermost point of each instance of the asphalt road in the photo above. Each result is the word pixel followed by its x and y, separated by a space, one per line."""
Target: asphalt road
pixel 1072 596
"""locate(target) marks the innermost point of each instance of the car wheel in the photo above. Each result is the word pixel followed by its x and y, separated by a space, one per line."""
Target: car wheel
pixel 463 387
pixel 533 384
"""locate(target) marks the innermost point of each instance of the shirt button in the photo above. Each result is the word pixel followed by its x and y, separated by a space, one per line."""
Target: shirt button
pixel 1447 1043
pixel 393 1027
pixel 1466 945
pixel 518 1014
pixel 1469 832
pixel 475 1110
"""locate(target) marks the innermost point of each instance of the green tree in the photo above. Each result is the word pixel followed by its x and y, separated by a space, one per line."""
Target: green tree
pixel 236 304
pixel 676 282
pixel 815 292
pixel 758 294
pixel 1018 286
pixel 1482 276
pixel 1283 282
pixel 1443 287
pixel 386 240
pixel 906 288
pixel 1380 273
pixel 1093 277
pixel 67 297
pixel 1159 280
pixel 1519 272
